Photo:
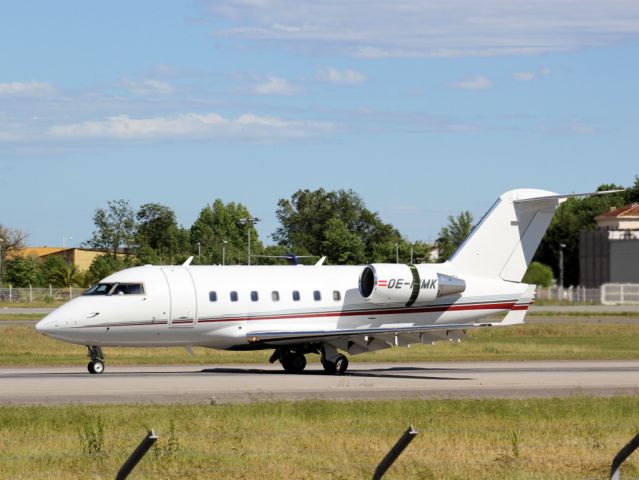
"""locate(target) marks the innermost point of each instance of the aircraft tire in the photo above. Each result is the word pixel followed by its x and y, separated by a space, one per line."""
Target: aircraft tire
pixel 96 367
pixel 329 367
pixel 293 362
pixel 341 364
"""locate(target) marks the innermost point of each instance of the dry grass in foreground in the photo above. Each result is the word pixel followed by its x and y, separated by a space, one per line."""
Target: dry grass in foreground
pixel 459 439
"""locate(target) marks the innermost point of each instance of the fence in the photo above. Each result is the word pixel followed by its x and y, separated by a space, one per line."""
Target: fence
pixel 35 294
pixel 620 294
pixel 607 294
pixel 570 294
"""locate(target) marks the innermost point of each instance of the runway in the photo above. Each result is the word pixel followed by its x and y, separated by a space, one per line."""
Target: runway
pixel 369 381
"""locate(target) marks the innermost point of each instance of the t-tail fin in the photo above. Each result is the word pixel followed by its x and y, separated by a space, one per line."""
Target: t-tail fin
pixel 502 245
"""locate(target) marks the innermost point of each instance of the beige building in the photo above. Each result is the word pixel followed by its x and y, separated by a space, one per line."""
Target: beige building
pixel 80 257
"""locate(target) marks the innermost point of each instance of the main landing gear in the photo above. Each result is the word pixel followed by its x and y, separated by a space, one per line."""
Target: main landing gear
pixel 294 360
pixel 96 365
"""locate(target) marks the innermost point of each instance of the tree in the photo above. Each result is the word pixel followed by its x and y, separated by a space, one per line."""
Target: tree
pixel 24 271
pixel 538 274
pixel 219 223
pixel 572 216
pixel 11 242
pixel 58 273
pixel 116 227
pixel 336 224
pixel 159 238
pixel 103 266
pixel 452 235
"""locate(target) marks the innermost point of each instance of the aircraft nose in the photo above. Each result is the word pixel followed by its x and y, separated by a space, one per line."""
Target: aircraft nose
pixel 47 325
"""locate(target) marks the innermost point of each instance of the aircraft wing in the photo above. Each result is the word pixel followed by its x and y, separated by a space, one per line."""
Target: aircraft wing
pixel 361 340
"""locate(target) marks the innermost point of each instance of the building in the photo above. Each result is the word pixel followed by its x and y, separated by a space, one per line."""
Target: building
pixel 610 254
pixel 80 257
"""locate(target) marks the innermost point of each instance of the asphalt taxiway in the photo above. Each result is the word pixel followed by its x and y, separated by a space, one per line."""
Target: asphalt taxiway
pixel 371 381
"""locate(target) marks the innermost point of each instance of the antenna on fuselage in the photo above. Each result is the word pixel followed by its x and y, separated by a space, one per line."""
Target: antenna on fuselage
pixel 188 262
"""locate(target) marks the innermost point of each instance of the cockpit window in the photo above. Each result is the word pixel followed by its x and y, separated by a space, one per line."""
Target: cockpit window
pixel 100 289
pixel 116 289
pixel 128 289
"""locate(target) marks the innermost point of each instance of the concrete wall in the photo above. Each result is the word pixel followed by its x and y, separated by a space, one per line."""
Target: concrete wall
pixel 624 261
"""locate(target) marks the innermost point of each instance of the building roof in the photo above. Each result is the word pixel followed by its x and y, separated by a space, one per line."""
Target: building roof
pixel 629 211
pixel 37 251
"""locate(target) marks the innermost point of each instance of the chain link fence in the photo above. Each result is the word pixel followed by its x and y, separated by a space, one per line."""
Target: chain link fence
pixel 607 294
pixel 38 294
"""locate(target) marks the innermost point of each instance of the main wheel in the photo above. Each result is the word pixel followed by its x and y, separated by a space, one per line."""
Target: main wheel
pixel 341 364
pixel 329 367
pixel 293 362
pixel 96 367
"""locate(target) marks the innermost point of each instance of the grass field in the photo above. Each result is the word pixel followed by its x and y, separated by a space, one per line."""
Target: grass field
pixel 21 345
pixel 459 439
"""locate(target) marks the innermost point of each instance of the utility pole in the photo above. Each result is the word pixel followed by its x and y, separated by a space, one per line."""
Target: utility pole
pixel 199 252
pixel 224 242
pixel 397 252
pixel 561 264
pixel 1 271
pixel 249 222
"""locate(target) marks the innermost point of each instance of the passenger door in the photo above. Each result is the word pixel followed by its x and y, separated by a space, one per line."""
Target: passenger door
pixel 183 312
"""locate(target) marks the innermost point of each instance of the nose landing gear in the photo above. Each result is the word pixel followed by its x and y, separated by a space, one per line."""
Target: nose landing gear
pixel 96 365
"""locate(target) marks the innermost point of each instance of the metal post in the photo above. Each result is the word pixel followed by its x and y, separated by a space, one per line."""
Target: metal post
pixel 561 265
pixel 249 222
pixel 621 457
pixel 397 253
pixel 199 252
pixel 224 242
pixel 411 253
pixel 395 452
pixel 137 455
pixel 1 271
pixel 30 294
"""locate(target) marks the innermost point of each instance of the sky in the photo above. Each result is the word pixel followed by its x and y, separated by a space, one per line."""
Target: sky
pixel 424 108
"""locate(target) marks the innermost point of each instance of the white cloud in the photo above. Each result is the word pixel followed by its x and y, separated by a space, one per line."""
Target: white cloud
pixel 478 82
pixel 148 86
pixel 188 125
pixel 276 86
pixel 430 28
pixel 341 77
pixel 26 88
pixel 524 76
pixel 529 76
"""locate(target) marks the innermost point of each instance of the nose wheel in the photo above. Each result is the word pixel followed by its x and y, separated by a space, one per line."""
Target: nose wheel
pixel 96 365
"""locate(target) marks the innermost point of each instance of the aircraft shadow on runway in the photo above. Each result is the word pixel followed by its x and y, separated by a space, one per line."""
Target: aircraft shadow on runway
pixel 377 373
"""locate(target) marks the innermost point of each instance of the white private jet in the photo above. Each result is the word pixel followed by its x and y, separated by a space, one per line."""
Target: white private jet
pixel 317 309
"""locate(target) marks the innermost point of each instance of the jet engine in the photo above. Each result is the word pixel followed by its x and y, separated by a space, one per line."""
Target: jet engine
pixel 390 283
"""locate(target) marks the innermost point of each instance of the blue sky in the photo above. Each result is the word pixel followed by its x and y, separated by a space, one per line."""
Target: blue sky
pixel 424 108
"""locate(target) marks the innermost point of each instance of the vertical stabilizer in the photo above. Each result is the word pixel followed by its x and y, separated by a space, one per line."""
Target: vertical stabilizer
pixel 502 245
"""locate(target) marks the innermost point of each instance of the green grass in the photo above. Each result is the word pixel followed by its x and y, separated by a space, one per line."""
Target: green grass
pixel 4 317
pixel 20 345
pixel 51 304
pixel 565 438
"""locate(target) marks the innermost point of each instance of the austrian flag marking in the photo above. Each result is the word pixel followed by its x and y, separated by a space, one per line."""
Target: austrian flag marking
pixel 382 283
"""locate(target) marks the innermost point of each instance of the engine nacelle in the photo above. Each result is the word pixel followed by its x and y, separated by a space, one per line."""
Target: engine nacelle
pixel 390 283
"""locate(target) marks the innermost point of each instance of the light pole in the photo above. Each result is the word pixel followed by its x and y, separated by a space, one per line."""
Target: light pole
pixel 397 253
pixel 64 241
pixel 411 253
pixel 224 242
pixel 561 264
pixel 1 271
pixel 199 252
pixel 249 222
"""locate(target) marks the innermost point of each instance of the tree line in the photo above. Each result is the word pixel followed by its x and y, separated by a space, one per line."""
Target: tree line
pixel 335 224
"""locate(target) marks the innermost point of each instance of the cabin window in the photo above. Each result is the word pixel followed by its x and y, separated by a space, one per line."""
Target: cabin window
pixel 234 296
pixel 317 296
pixel 296 296
pixel 254 296
pixel 336 295
pixel 275 296
pixel 213 296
